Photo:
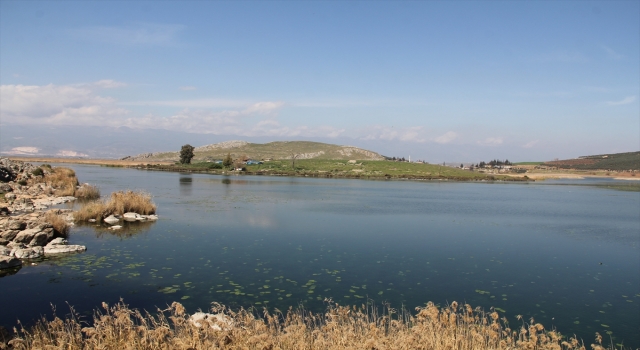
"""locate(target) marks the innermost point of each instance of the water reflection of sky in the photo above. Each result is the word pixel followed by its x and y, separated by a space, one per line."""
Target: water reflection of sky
pixel 566 255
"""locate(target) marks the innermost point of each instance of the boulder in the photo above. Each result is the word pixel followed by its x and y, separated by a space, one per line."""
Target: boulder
pixel 131 216
pixel 9 262
pixel 5 251
pixel 4 241
pixel 152 217
pixel 60 249
pixel 17 225
pixel 27 235
pixel 41 238
pixel 28 253
pixel 12 245
pixel 9 235
pixel 111 220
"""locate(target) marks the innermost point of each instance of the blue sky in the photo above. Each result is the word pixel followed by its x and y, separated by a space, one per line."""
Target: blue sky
pixel 464 81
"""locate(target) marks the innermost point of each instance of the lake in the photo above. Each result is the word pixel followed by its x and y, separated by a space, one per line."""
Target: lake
pixel 566 253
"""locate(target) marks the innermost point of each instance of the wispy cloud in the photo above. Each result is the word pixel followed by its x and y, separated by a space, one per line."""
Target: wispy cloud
pixel 491 141
pixel 624 101
pixel 446 137
pixel 187 88
pixel 530 144
pixel 148 34
pixel 108 84
pixel 193 103
pixel 612 54
pixel 390 133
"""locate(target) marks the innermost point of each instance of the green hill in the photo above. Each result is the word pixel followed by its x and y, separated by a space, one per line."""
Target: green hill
pixel 615 161
pixel 273 150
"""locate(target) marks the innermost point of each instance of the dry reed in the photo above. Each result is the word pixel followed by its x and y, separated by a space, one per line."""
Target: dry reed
pixel 63 180
pixel 340 327
pixel 119 203
pixel 88 192
pixel 58 222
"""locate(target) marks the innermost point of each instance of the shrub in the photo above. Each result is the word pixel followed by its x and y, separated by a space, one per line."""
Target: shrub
pixel 87 192
pixel 37 172
pixel 22 182
pixel 119 203
pixel 58 222
pixel 63 180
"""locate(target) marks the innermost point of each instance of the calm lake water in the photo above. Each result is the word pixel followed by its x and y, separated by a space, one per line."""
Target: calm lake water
pixel 566 255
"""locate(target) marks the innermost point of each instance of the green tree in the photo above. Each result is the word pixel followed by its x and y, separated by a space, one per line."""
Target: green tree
pixel 227 161
pixel 186 154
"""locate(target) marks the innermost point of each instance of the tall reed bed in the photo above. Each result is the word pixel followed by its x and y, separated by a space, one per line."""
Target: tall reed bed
pixel 340 327
pixel 60 225
pixel 119 203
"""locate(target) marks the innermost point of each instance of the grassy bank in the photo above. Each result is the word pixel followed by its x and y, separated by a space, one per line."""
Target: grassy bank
pixel 372 169
pixel 340 327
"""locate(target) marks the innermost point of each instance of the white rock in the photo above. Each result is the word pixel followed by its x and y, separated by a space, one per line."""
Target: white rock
pixel 115 227
pixel 152 217
pixel 111 220
pixel 60 249
pixel 92 220
pixel 57 241
pixel 29 253
pixel 4 251
pixel 216 321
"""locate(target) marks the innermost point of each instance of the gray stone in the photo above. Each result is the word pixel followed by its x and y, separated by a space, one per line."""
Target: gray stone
pixel 17 225
pixel 41 238
pixel 27 235
pixel 115 227
pixel 12 245
pixel 9 235
pixel 28 253
pixel 61 249
pixel 4 241
pixel 9 262
pixel 5 251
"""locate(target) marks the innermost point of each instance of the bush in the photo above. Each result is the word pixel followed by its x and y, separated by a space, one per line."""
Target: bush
pixel 120 202
pixel 22 182
pixel 63 180
pixel 87 192
pixel 38 172
pixel 59 224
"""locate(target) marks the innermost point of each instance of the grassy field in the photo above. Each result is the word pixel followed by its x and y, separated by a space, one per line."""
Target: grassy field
pixel 615 161
pixel 366 169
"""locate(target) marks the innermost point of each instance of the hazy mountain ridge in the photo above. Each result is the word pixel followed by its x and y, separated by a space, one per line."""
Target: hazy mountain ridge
pixel 273 150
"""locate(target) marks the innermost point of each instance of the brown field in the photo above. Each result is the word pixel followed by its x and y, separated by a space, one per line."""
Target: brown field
pixel 112 162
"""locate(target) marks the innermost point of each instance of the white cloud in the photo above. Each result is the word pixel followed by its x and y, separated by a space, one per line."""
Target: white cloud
pixel 23 151
pixel 612 54
pixel 624 101
pixel 65 153
pixel 108 84
pixel 530 144
pixel 491 141
pixel 193 103
pixel 52 104
pixel 147 34
pixel 446 137
pixel 390 133
pixel 187 88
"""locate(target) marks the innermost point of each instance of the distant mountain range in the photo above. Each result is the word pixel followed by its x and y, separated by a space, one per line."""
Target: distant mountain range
pixel 272 150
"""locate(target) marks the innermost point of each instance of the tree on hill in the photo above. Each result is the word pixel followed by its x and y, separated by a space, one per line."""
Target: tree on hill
pixel 227 161
pixel 186 154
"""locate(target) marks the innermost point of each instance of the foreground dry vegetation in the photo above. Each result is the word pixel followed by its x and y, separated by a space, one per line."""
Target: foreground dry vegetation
pixel 340 327
pixel 119 203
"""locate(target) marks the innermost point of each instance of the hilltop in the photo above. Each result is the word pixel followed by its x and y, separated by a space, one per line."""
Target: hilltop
pixel 260 151
pixel 615 161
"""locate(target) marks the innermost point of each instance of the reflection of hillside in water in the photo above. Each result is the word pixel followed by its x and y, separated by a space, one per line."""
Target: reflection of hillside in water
pixel 129 229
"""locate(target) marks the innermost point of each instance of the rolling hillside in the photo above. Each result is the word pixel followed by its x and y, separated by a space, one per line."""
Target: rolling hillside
pixel 615 161
pixel 274 150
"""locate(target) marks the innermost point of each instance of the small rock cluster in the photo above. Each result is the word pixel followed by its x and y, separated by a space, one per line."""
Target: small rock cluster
pixel 24 232
pixel 114 219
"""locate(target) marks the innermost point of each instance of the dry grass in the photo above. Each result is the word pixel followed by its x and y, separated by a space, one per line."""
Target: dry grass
pixel 452 327
pixel 88 192
pixel 59 224
pixel 120 202
pixel 63 180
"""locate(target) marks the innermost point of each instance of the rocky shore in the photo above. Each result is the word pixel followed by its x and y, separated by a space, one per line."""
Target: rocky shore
pixel 28 230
